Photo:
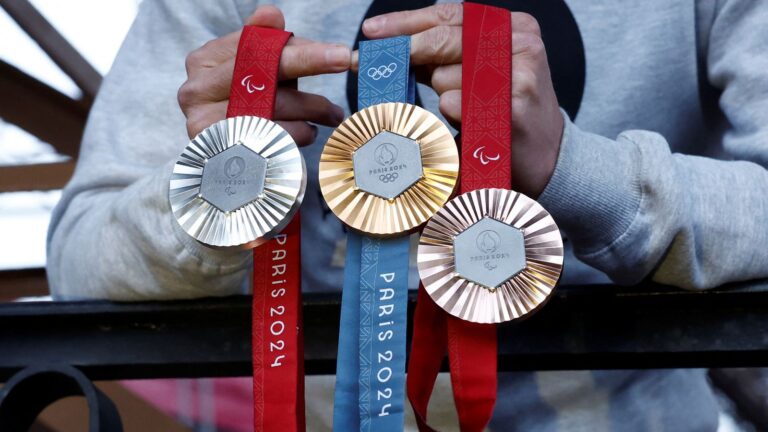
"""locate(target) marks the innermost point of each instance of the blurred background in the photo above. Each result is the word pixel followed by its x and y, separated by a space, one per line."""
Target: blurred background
pixel 53 55
pixel 94 30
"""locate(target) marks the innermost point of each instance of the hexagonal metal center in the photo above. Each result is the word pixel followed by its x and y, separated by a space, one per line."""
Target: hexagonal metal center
pixel 489 252
pixel 233 178
pixel 387 165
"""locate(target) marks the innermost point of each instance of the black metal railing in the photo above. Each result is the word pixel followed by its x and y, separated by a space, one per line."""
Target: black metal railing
pixel 589 327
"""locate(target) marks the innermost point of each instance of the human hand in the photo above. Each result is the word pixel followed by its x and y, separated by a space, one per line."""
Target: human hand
pixel 537 124
pixel 204 96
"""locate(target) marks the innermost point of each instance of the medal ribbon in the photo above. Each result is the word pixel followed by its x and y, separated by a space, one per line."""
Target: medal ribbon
pixel 370 371
pixel 277 343
pixel 486 156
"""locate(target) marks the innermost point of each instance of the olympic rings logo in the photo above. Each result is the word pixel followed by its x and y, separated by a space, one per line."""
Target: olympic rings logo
pixel 383 71
pixel 388 178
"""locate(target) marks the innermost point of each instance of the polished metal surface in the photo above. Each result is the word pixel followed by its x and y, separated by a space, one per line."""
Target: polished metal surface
pixel 387 165
pixel 237 183
pixel 489 252
pixel 513 298
pixel 233 178
pixel 368 212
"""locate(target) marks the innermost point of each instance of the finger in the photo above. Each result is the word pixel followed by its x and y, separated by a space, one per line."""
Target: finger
pixel 271 17
pixel 207 85
pixel 212 84
pixel 219 50
pixel 445 78
pixel 527 44
pixel 292 104
pixel 354 59
pixel 525 83
pixel 223 62
pixel 267 16
pixel 438 45
pixel 450 106
pixel 302 133
pixel 212 53
pixel 313 59
pixel 299 41
pixel 525 23
pixel 203 116
pixel 412 22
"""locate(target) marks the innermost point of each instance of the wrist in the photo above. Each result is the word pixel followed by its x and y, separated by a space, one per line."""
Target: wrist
pixel 592 193
pixel 539 161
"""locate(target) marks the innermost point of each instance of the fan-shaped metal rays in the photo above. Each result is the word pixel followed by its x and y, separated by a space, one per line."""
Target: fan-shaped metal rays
pixel 257 220
pixel 518 296
pixel 379 216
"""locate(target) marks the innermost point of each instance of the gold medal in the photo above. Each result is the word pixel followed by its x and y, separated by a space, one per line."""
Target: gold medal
pixel 490 256
pixel 388 168
pixel 238 183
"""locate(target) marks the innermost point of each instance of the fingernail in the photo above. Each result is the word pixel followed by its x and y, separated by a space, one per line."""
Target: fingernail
pixel 373 25
pixel 338 114
pixel 338 55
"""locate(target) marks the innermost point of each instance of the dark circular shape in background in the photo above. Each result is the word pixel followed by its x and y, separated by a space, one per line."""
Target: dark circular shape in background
pixel 562 40
pixel 559 30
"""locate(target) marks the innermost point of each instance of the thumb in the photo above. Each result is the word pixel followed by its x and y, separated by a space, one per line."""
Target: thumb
pixel 267 16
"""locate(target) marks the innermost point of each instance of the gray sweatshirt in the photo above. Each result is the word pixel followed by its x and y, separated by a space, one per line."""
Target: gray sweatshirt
pixel 661 175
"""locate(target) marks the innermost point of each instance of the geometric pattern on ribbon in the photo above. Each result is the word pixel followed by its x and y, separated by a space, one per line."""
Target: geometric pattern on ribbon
pixel 384 71
pixel 254 78
pixel 278 394
pixel 384 76
pixel 369 259
pixel 486 162
pixel 486 127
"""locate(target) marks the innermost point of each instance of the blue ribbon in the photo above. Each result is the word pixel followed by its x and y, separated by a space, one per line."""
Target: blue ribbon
pixel 370 368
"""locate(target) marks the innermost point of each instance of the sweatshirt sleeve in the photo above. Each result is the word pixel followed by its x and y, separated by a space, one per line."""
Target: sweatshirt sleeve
pixel 634 209
pixel 112 235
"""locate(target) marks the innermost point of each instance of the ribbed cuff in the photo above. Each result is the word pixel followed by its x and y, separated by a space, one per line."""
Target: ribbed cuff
pixel 222 260
pixel 594 192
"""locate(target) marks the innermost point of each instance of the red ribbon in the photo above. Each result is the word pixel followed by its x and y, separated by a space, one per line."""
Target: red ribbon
pixel 486 162
pixel 277 337
pixel 278 355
